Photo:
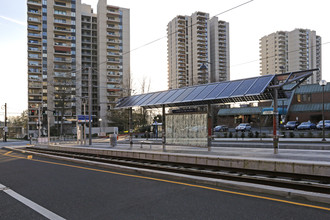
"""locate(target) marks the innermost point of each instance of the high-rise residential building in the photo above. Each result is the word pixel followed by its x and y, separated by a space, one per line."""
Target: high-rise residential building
pixel 193 41
pixel 65 39
pixel 289 51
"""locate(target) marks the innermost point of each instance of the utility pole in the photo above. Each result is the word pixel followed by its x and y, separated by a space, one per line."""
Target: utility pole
pixel 6 128
pixel 90 103
pixel 39 122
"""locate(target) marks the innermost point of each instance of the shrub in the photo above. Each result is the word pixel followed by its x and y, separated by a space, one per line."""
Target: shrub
pixel 291 135
pixel 263 135
pixel 236 135
pixel 283 134
pixel 230 134
pixel 225 135
pixel 250 134
pixel 301 135
pixel 242 135
pixel 256 134
pixel 309 134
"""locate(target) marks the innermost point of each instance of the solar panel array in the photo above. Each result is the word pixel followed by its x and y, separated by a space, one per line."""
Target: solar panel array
pixel 229 91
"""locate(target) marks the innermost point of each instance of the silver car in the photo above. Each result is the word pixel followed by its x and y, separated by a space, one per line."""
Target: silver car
pixel 243 127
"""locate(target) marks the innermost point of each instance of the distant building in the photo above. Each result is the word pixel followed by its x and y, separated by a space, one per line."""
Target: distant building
pixel 288 51
pixel 65 37
pixel 304 104
pixel 193 41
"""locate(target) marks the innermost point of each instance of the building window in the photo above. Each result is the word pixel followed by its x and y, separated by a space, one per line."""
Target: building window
pixel 303 98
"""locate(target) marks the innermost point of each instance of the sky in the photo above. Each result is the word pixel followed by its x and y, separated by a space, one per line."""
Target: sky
pixel 149 19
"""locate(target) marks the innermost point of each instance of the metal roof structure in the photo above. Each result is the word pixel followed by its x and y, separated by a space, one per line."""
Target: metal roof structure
pixel 221 92
pixel 242 90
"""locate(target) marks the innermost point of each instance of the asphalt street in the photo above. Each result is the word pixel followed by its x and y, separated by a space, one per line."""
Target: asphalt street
pixel 74 191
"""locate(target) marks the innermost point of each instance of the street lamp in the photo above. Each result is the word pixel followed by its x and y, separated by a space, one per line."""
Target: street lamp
pixel 323 83
pixel 204 68
pixel 100 120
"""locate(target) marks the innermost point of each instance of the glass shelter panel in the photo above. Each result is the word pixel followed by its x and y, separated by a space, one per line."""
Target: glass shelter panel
pixel 187 129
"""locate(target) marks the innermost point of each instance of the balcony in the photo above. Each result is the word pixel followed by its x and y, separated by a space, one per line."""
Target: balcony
pixel 62 5
pixel 33 78
pixel 36 12
pixel 33 2
pixel 113 20
pixel 113 12
pixel 60 29
pixel 34 35
pixel 34 85
pixel 33 27
pixel 34 56
pixel 33 19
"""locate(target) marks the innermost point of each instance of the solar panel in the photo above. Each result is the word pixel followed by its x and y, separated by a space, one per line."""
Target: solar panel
pixel 175 95
pixel 205 92
pixel 243 87
pixel 194 93
pixel 151 98
pixel 229 89
pixel 132 99
pixel 122 101
pixel 144 98
pixel 165 97
pixel 184 94
pixel 260 85
pixel 220 87
pixel 161 95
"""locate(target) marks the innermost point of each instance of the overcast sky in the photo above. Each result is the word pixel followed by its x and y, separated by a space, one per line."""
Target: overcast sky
pixel 149 19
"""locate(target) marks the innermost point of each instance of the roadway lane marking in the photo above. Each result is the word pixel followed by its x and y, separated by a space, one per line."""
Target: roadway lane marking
pixel 180 183
pixel 41 210
pixel 7 153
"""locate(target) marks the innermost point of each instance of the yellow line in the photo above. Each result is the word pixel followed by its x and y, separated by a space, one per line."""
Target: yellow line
pixel 180 183
pixel 7 153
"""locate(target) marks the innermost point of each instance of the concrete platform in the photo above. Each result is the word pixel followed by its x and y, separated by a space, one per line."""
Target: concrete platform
pixel 309 162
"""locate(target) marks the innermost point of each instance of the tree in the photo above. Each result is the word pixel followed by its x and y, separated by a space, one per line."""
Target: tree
pixel 18 124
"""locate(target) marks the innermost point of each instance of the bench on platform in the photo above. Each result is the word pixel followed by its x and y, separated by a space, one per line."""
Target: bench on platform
pixel 146 142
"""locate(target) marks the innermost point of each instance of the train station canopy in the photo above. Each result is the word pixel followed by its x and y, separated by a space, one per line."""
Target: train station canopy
pixel 242 90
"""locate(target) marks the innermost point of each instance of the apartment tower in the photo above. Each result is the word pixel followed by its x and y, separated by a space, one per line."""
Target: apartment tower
pixel 194 41
pixel 65 40
pixel 296 50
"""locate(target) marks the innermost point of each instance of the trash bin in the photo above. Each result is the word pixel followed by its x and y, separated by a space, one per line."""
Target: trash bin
pixel 113 140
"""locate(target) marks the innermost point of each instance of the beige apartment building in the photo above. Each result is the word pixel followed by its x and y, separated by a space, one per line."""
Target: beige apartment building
pixel 65 38
pixel 193 41
pixel 288 51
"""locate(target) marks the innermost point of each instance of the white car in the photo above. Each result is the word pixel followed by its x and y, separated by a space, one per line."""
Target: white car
pixel 243 127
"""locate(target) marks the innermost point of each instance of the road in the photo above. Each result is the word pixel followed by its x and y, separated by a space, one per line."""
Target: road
pixel 71 191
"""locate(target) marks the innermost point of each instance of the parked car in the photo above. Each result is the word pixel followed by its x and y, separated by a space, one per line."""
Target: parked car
pixel 291 125
pixel 243 127
pixel 326 124
pixel 306 126
pixel 220 128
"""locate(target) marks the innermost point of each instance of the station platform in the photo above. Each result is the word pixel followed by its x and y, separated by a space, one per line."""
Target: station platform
pixel 300 161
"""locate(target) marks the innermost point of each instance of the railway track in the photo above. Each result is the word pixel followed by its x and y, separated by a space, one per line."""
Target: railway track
pixel 319 184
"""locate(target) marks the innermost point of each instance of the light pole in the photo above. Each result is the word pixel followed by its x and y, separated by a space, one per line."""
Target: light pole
pixel 323 83
pixel 100 120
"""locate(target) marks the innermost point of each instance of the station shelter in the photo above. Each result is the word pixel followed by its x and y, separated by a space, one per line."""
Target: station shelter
pixel 195 128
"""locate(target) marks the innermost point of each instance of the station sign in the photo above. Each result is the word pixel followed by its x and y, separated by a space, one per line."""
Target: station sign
pixel 84 118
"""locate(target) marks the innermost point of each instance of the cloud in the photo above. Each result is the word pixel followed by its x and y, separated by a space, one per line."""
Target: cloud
pixel 13 20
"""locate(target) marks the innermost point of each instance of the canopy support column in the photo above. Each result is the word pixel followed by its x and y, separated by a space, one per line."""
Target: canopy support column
pixel 209 127
pixel 130 125
pixel 163 128
pixel 275 121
